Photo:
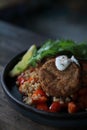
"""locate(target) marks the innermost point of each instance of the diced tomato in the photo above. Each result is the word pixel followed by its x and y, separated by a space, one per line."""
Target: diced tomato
pixel 36 99
pixel 40 92
pixel 43 107
pixel 55 107
pixel 20 80
pixel 39 96
pixel 30 79
pixel 72 107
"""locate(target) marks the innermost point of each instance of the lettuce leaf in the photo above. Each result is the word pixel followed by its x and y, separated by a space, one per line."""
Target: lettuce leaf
pixel 51 48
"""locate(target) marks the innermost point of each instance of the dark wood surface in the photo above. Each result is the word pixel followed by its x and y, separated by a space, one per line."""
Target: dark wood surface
pixel 13 40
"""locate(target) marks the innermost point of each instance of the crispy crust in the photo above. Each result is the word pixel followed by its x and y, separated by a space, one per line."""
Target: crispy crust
pixel 59 83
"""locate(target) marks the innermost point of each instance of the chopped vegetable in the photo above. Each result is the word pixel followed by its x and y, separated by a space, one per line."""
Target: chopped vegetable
pixel 55 107
pixel 40 92
pixel 39 96
pixel 30 79
pixel 21 80
pixel 72 108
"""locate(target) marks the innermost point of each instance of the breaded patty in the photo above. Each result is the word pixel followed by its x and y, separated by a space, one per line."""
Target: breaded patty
pixel 59 83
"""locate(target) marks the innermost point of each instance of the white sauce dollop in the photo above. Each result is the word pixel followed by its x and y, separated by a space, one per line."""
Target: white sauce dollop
pixel 62 62
pixel 73 59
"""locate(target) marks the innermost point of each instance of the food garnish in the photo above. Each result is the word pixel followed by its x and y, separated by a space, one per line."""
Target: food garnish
pixel 48 49
pixel 62 62
pixel 23 63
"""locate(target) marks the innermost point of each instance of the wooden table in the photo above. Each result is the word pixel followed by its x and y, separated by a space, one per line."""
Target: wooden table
pixel 13 40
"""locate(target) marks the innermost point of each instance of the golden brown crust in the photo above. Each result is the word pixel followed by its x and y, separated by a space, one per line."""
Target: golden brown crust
pixel 59 83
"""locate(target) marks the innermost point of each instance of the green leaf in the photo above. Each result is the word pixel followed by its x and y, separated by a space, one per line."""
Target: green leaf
pixel 51 48
pixel 80 50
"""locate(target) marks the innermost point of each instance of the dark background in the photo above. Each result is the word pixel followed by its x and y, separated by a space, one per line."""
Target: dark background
pixel 53 18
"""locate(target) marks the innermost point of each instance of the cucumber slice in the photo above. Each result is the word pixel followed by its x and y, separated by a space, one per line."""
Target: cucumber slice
pixel 24 62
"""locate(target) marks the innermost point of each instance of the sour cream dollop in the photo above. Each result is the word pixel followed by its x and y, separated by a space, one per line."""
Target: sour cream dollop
pixel 62 62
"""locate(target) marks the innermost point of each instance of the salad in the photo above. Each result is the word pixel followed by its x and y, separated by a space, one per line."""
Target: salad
pixel 53 77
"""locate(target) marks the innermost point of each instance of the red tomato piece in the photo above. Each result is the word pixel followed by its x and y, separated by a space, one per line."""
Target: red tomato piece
pixel 40 92
pixel 39 96
pixel 30 79
pixel 55 107
pixel 38 99
pixel 20 80
pixel 72 108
